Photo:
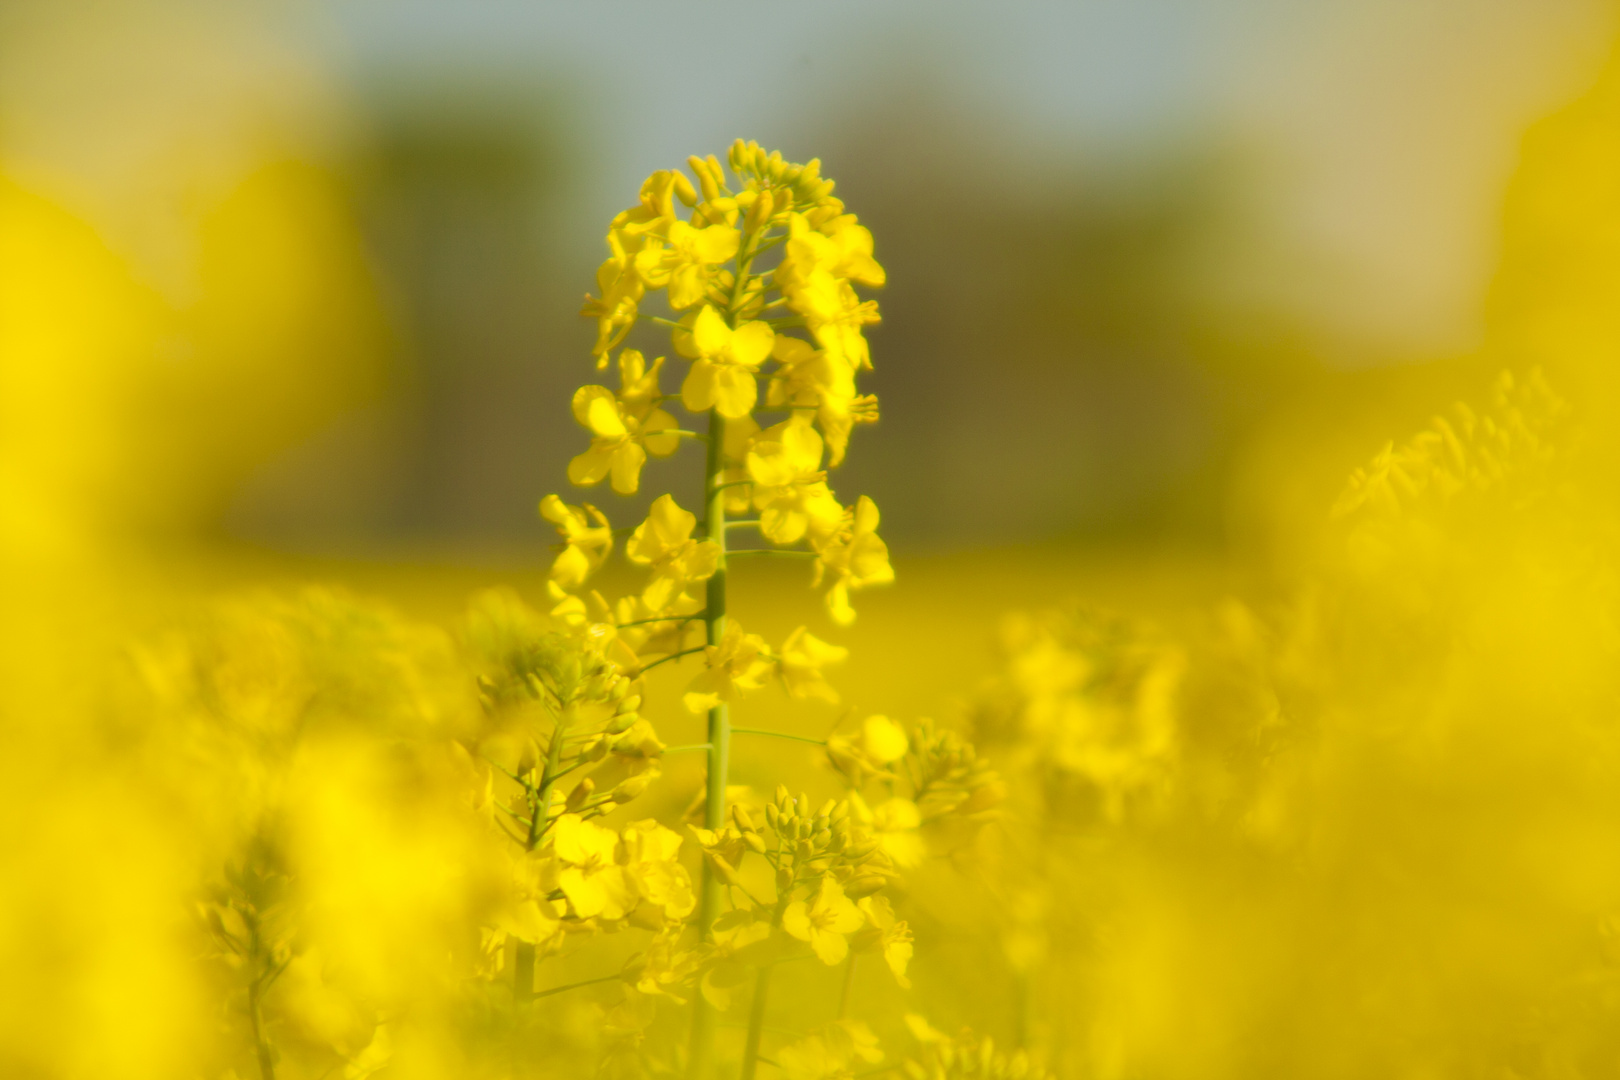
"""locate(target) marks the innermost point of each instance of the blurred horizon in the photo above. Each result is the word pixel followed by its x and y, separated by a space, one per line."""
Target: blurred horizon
pixel 1210 218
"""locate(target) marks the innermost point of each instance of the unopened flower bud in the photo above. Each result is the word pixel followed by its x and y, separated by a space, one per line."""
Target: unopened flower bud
pixel 577 797
pixel 865 885
pixel 631 787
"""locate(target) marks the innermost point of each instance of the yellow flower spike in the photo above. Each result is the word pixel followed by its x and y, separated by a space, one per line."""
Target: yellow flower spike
pixel 622 441
pixel 588 544
pixel 722 376
pixel 739 662
pixel 593 882
pixel 686 267
pixel 823 921
pixel 789 488
pixel 855 561
pixel 800 662
pixel 664 543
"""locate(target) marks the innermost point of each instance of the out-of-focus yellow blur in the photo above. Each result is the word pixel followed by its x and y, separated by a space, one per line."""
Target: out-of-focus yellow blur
pixel 1312 771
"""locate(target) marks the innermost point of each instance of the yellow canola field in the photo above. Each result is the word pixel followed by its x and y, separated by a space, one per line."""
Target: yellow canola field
pixel 1348 807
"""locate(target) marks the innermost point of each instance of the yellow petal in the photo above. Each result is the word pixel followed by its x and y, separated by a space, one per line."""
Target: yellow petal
pixel 735 391
pixel 627 461
pixel 589 468
pixel 698 390
pixel 710 334
pixel 751 343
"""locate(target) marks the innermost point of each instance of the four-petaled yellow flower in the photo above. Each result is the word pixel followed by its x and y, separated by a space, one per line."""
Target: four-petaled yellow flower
pixel 664 543
pixel 722 373
pixel 621 440
pixel 587 544
pixel 789 489
pixel 687 266
pixel 740 662
pixel 855 559
pixel 593 882
pixel 824 920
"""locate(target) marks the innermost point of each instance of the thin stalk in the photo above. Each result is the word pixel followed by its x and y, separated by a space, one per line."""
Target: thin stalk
pixel 756 1024
pixel 756 1008
pixel 261 1045
pixel 849 987
pixel 778 735
pixel 701 1059
pixel 575 986
pixel 523 958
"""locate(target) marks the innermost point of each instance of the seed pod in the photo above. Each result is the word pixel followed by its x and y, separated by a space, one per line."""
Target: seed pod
pixel 630 702
pixel 822 838
pixel 783 799
pixel 621 723
pixel 773 818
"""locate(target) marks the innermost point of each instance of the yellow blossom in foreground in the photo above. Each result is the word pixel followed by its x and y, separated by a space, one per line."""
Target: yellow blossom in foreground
pixel 664 543
pixel 589 877
pixel 722 375
pixel 824 920
pixel 739 662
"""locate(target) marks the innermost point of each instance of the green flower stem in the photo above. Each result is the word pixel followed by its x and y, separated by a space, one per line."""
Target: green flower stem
pixel 778 735
pixel 849 987
pixel 756 1024
pixel 523 958
pixel 685 749
pixel 574 986
pixel 644 668
pixel 701 1059
pixel 756 1008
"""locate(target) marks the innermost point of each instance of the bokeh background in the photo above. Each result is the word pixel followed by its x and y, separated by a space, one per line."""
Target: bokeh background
pixel 332 254
pixel 289 292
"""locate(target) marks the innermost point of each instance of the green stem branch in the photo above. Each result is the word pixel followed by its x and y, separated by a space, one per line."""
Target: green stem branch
pixel 778 735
